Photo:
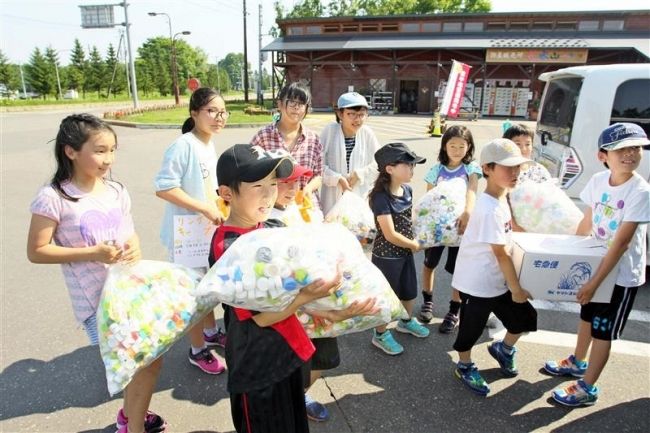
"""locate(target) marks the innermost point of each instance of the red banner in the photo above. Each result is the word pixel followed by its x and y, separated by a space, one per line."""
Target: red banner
pixel 455 90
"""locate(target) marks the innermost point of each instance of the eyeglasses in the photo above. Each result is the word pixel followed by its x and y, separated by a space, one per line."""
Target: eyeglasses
pixel 216 114
pixel 295 105
pixel 356 116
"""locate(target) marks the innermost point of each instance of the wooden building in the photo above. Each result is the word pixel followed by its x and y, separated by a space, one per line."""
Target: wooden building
pixel 401 62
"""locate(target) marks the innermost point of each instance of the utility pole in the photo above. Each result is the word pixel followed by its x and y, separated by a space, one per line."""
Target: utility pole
pixel 245 58
pixel 134 86
pixel 260 96
pixel 218 79
pixel 22 80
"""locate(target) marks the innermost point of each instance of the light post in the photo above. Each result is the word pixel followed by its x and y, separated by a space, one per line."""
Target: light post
pixel 172 40
pixel 177 96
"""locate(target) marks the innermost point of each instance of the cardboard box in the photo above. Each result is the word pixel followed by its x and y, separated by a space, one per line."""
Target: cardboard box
pixel 554 267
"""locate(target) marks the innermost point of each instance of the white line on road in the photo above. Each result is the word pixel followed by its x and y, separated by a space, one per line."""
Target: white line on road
pixel 572 307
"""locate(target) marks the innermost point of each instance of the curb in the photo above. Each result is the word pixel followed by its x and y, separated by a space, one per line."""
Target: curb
pixel 137 125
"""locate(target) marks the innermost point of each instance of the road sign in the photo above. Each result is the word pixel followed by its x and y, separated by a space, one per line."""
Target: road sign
pixel 193 84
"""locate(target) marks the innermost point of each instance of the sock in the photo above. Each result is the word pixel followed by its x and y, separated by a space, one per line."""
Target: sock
pixel 463 365
pixel 428 297
pixel 379 334
pixel 579 363
pixel 404 322
pixel 196 351
pixel 587 387
pixel 210 332
pixel 454 307
pixel 508 350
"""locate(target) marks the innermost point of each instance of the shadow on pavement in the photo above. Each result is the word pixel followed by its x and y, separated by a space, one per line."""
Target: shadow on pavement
pixel 624 417
pixel 77 379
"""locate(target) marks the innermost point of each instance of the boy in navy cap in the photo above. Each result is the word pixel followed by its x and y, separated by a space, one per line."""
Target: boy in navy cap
pixel 264 351
pixel 618 213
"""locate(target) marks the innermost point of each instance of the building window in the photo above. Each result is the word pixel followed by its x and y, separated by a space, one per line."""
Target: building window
pixel 430 27
pixel 588 26
pixel 410 27
pixel 452 27
pixel 331 28
pixel 542 26
pixel 521 26
pixel 474 27
pixel 389 27
pixel 613 25
pixel 295 30
pixel 496 27
pixel 350 28
pixel 313 30
pixel 369 27
pixel 566 25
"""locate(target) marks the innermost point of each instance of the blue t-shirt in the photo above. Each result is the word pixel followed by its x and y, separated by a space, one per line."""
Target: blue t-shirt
pixel 439 173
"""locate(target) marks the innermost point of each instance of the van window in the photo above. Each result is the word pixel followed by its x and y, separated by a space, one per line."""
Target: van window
pixel 632 103
pixel 559 108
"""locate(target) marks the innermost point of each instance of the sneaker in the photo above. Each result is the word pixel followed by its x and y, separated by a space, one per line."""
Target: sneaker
pixel 387 343
pixel 448 324
pixel 153 423
pixel 506 362
pixel 472 379
pixel 566 367
pixel 577 394
pixel 426 312
pixel 207 362
pixel 412 327
pixel 218 339
pixel 315 410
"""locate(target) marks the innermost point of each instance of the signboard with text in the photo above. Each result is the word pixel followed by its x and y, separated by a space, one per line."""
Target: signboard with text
pixel 455 89
pixel 97 17
pixel 536 55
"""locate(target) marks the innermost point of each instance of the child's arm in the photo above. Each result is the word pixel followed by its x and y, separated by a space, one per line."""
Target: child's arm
pixel 619 245
pixel 519 295
pixel 40 248
pixel 584 227
pixel 368 307
pixel 132 251
pixel 315 290
pixel 388 228
pixel 515 227
pixel 181 199
pixel 470 199
pixel 313 185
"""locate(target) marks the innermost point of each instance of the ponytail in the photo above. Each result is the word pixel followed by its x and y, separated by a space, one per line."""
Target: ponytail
pixel 188 125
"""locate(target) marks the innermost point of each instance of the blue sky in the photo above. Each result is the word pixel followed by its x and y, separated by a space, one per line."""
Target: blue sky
pixel 216 25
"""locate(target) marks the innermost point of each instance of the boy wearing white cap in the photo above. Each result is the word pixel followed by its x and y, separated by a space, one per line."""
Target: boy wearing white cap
pixel 349 149
pixel 486 246
pixel 618 213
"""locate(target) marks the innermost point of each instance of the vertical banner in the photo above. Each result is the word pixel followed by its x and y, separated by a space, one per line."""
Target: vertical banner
pixel 455 90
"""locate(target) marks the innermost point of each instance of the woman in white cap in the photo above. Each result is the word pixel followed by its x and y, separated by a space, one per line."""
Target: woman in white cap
pixel 349 147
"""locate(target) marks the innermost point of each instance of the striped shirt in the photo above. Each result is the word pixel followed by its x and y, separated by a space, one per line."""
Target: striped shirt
pixel 349 146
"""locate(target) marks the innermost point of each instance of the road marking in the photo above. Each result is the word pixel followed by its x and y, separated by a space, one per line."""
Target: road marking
pixel 573 307
pixel 563 339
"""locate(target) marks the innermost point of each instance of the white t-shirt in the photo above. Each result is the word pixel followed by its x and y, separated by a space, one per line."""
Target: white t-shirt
pixel 477 270
pixel 207 157
pixel 612 205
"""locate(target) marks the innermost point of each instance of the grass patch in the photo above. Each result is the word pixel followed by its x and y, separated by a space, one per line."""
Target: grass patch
pixel 178 115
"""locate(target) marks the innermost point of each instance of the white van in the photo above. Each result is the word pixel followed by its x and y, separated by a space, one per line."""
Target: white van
pixel 577 104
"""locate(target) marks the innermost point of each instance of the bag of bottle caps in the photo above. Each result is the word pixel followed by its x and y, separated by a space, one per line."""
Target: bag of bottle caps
pixel 436 214
pixel 144 309
pixel 353 212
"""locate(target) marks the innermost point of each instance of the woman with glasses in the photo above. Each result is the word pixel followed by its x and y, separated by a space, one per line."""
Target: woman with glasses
pixel 187 181
pixel 289 134
pixel 349 148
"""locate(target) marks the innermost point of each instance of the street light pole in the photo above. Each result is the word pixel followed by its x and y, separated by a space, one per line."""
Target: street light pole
pixel 172 56
pixel 177 96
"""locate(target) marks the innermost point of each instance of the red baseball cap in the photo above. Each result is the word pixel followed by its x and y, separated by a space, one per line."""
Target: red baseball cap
pixel 298 172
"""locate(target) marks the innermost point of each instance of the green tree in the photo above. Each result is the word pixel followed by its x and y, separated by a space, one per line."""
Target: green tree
pixel 222 83
pixel 76 72
pixel 96 76
pixel 144 77
pixel 233 64
pixel 155 54
pixel 8 71
pixel 52 58
pixel 37 71
pixel 192 62
pixel 115 73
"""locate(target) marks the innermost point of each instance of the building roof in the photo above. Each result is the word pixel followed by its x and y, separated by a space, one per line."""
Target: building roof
pixel 639 42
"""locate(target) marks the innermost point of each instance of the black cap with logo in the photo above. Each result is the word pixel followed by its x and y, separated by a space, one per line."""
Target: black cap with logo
pixel 246 163
pixel 393 153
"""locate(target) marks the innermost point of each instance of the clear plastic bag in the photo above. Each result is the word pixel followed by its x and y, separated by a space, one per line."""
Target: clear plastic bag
pixel 263 271
pixel 436 214
pixel 353 212
pixel 143 311
pixel 544 208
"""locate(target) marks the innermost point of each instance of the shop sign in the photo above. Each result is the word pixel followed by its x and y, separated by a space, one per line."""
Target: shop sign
pixel 534 55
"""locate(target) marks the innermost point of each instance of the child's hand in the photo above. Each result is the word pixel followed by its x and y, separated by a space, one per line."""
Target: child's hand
pixel 415 247
pixel 131 254
pixel 353 179
pixel 461 222
pixel 320 288
pixel 520 296
pixel 211 212
pixel 107 253
pixel 586 292
pixel 357 308
pixel 344 184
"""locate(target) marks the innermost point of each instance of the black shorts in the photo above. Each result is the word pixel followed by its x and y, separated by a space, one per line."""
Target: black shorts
pixel 474 312
pixel 279 408
pixel 608 320
pixel 326 357
pixel 400 273
pixel 432 258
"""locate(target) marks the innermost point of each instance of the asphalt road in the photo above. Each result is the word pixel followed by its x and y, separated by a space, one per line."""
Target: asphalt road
pixel 52 381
